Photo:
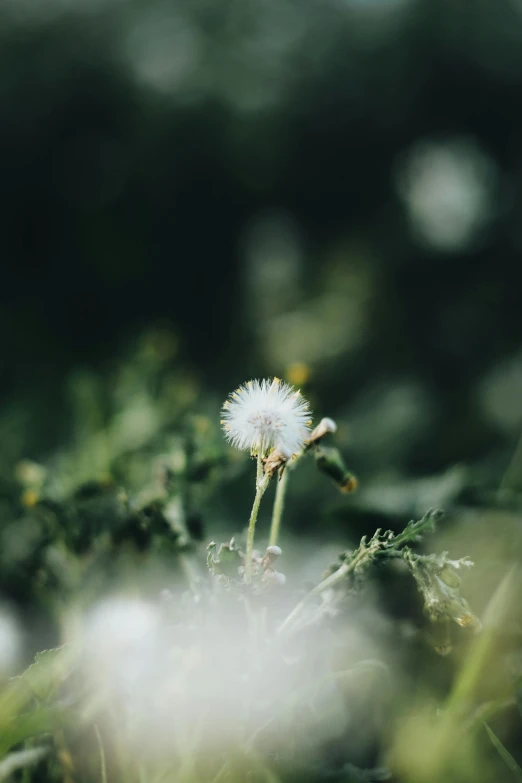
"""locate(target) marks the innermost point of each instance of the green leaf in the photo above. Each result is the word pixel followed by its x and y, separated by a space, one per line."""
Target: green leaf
pixel 48 671
pixel 414 530
pixel 226 561
pixel 41 720
pixel 499 608
pixel 20 759
pixel 17 720
pixel 504 754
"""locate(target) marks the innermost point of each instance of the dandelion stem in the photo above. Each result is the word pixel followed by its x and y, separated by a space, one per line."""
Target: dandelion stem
pixel 279 504
pixel 262 480
pixel 259 471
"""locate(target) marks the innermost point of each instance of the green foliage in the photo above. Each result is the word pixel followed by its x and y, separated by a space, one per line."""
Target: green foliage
pixel 49 669
pixel 209 676
pixel 226 561
pixel 504 754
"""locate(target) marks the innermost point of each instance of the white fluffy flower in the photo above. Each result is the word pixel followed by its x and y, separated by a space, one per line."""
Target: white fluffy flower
pixel 267 414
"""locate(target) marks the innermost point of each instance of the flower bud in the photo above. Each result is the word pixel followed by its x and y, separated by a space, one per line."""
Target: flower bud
pixel 325 426
pixel 449 577
pixel 276 459
pixel 271 555
pixel 330 461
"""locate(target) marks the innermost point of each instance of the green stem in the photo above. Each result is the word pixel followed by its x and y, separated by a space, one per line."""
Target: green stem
pixel 498 610
pixel 261 485
pixel 103 765
pixel 279 504
pixel 330 581
pixel 512 478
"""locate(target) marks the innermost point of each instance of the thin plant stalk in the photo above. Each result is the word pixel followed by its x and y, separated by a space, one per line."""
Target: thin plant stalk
pixel 364 555
pixel 512 478
pixel 261 485
pixel 326 584
pixel 279 504
pixel 103 764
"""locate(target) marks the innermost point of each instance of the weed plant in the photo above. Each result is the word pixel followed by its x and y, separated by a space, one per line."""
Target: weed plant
pixel 165 658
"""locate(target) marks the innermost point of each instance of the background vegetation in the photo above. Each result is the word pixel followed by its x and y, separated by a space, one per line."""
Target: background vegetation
pixel 195 193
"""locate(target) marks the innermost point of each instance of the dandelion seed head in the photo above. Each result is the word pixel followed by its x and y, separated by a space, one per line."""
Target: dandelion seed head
pixel 265 415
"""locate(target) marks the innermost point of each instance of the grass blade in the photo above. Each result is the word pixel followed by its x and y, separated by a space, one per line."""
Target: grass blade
pixel 504 754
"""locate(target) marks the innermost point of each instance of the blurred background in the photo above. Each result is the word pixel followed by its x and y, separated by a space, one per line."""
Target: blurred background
pixel 194 193
pixel 336 184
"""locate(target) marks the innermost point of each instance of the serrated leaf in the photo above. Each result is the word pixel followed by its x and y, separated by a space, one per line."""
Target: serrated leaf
pixel 226 561
pixel 48 671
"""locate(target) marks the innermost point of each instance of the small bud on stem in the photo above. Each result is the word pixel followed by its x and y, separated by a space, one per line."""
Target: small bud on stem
pixel 329 461
pixel 275 460
pixel 325 426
